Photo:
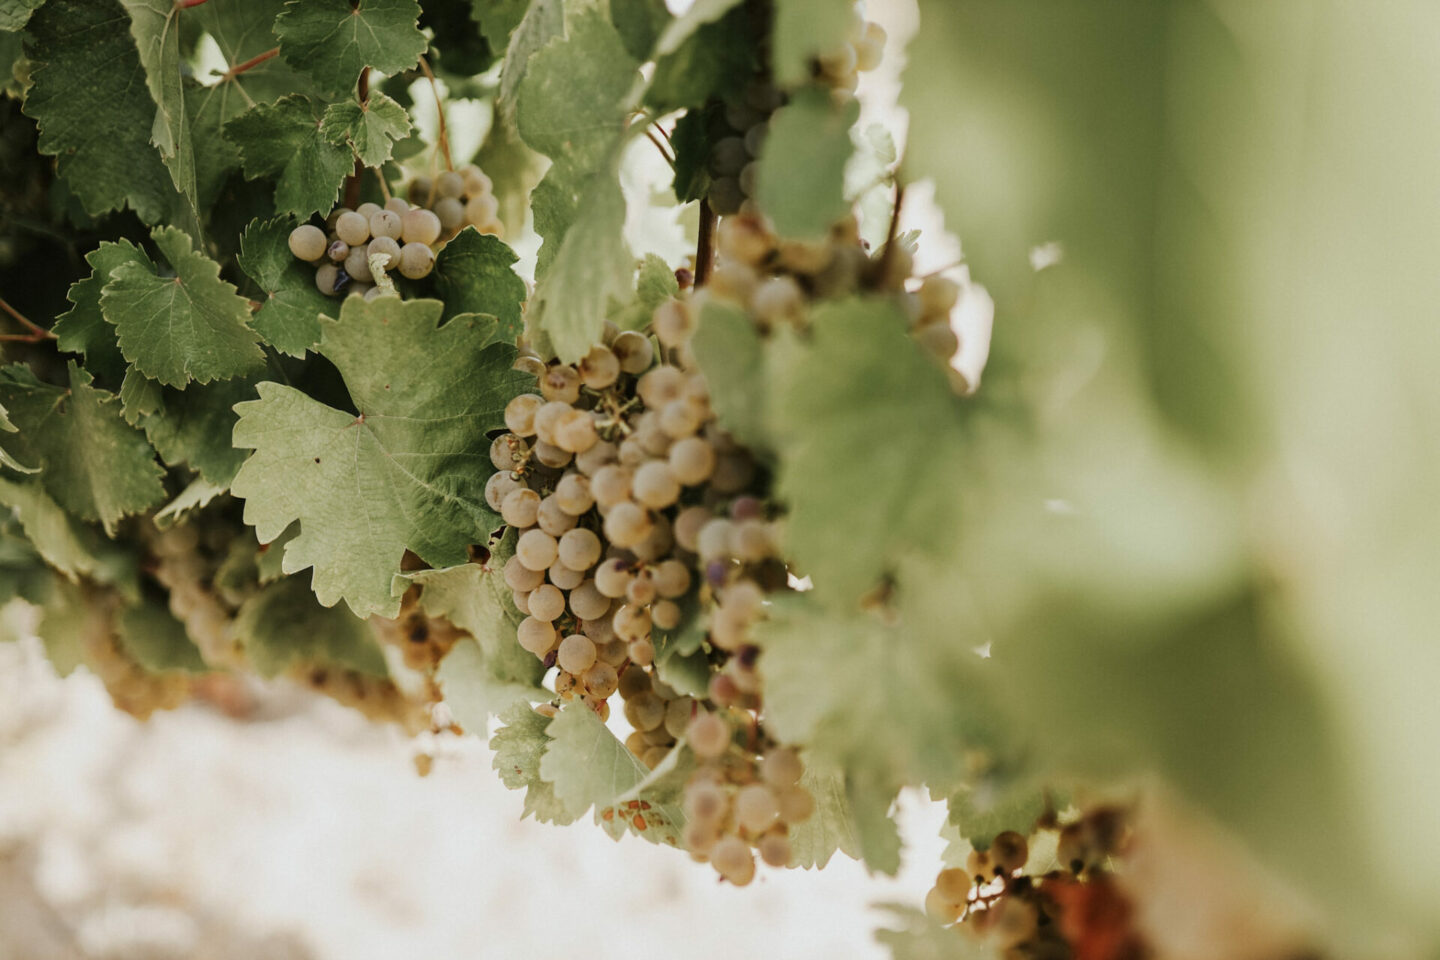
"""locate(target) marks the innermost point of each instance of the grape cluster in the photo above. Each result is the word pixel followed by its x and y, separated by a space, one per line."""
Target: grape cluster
pixel 132 688
pixel 397 236
pixel 635 511
pixel 862 51
pixel 737 135
pixel 1043 915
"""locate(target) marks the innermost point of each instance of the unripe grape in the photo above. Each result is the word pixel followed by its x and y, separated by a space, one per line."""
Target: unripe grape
pixel 572 494
pixel 725 195
pixel 386 247
pixel 727 156
pixel 732 860
pixel 353 228
pixel 579 549
pixel 450 184
pixel 689 522
pixel 796 804
pixel 520 577
pixel 774 849
pixel 599 368
pixel 536 549
pixel 357 265
pixel 546 602
pixel 750 178
pixel 481 209
pixel 626 524
pixel 600 679
pixel 631 622
pixel 519 508
pixel 755 138
pixel 553 519
pixel 709 735
pixel 326 277
pixel 536 636
pixel 307 242
pixel 576 654
pixel 588 603
pixel 566 578
pixel 655 485
pixel 781 767
pixel 419 225
pixel 941 909
pixel 645 711
pixel 520 414
pixel 634 352
pixel 672 322
pixel 660 386
pixel 742 115
pixel 416 260
pixel 451 213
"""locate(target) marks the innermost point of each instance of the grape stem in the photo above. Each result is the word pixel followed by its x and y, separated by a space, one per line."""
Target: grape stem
pixel 37 332
pixel 250 64
pixel 661 147
pixel 443 137
pixel 894 230
pixel 187 4
pixel 705 247
pixel 352 183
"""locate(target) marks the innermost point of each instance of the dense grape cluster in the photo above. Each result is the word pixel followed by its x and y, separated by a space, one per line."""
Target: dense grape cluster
pixel 132 688
pixel 634 512
pixel 862 51
pixel 358 248
pixel 1032 911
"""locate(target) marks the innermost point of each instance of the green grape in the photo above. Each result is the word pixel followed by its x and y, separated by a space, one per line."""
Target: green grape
pixel 353 228
pixel 384 246
pixel 307 242
pixel 419 225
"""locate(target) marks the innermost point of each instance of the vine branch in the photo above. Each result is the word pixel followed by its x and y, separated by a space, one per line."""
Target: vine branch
pixel 250 64
pixel 37 332
pixel 705 248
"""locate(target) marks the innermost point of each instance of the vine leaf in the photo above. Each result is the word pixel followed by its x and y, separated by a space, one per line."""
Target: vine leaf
pixel 519 746
pixel 83 329
pixel 193 326
pixel 805 29
pixel 639 23
pixel 729 350
pixel 94 464
pixel 14 14
pixel 155 25
pixel 712 63
pixel 815 840
pixel 801 183
pixel 283 140
pixel 333 40
pixel 289 320
pixel 407 473
pixel 194 426
pixel 94 111
pixel 370 128
pixel 498 19
pixel 66 545
pixel 152 636
pixel 474 273
pixel 284 625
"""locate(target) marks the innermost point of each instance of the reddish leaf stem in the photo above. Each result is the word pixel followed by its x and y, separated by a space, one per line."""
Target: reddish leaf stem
pixel 253 62
pixel 37 332
pixel 187 4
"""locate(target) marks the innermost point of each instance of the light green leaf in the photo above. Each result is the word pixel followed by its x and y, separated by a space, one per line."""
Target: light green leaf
pixel 65 544
pixel 332 40
pixel 193 326
pixel 155 640
pixel 585 762
pixel 94 111
pixel 908 416
pixel 193 427
pixel 814 841
pixel 155 25
pixel 289 320
pixel 478 686
pixel 83 329
pixel 654 284
pixel 519 746
pixel 713 63
pixel 413 464
pixel 6 460
pixel 542 22
pixel 283 140
pixel 474 273
pixel 498 19
pixel 283 625
pixel 684 26
pixel 804 30
pixel 14 14
pixel 93 464
pixel 197 496
pixel 729 350
pixel 921 938
pixel 801 184
pixel 370 129
pixel 66 616
pixel 871 793
pixel 139 395
pixel 982 811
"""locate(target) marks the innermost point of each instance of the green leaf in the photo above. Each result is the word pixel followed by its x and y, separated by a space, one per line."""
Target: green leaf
pixel 570 101
pixel 639 23
pixel 193 326
pixel 370 129
pixel 815 840
pixel 6 460
pixel 587 765
pixel 683 27
pixel 332 40
pixel 155 25
pixel 542 22
pixel 153 638
pixel 478 686
pixel 729 350
pixel 93 464
pixel 801 183
pixel 283 625
pixel 63 543
pixel 907 414
pixel 139 395
pixel 692 144
pixel 498 19
pixel 921 938
pixel 269 564
pixel 592 267
pixel 413 464
pixel 982 812
pixel 94 111
pixel 283 140
pixel 66 617
pixel 83 329
pixel 474 273
pixel 513 168
pixel 654 284
pixel 871 792
pixel 196 496
pixel 193 427
pixel 663 790
pixel 804 30
pixel 289 320
pixel 713 63
pixel 519 746
pixel 14 14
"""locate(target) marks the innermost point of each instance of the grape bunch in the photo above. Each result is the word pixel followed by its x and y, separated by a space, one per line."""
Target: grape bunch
pixel 635 511
pixel 1054 914
pixel 401 235
pixel 862 51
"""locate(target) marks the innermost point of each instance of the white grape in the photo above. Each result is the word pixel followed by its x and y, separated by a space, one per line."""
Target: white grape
pixel 756 808
pixel 419 225
pixel 774 849
pixel 733 473
pixel 704 800
pixel 755 138
pixel 641 590
pixel 642 652
pixel 672 578
pixel 498 487
pixel 588 603
pixel 384 246
pixel 356 264
pixel 699 837
pixel 728 156
pixel 481 209
pixel 548 417
pixel 680 419
pixel 941 909
pixel 353 228
pixel 385 223
pixel 688 524
pixel 576 653
pixel 659 386
pixel 554 519
pixel 546 602
pixel 631 622
pixel 779 300
pixel 520 507
pixel 600 679
pixel 655 485
pixel 692 460
pixel 632 451
pixel 451 214
pixel 634 351
pixel 796 804
pixel 572 494
pixel 645 711
pixel 307 242
pixel 476 181
pixel 521 599
pixel 612 578
pixel 709 735
pixel 397 205
pixel 520 414
pixel 416 260
pixel 731 858
pixel 577 434
pixel 536 549
pixel 715 539
pixel 725 196
pixel 673 322
pixel 561 382
pixel 325 278
pixel 744 240
pixel 579 549
pixel 552 455
pixel 566 578
pixel 599 368
pixel 627 524
pixel 338 252
pixel 591 460
pixel 610 485
pixel 751 541
pixel 368 210
pixel 450 184
pixel 781 767
pixel 536 636
pixel 520 577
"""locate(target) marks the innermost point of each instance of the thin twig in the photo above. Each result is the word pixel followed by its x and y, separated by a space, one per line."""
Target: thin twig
pixel 661 147
pixel 705 248
pixel 384 187
pixel 663 132
pixel 39 332
pixel 888 255
pixel 187 4
pixel 253 62
pixel 444 143
pixel 26 337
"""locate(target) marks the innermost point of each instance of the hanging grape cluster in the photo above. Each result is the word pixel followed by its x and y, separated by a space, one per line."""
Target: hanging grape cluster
pixel 401 235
